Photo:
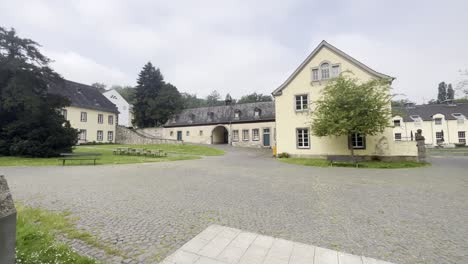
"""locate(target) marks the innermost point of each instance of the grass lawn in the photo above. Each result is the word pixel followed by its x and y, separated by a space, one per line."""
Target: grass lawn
pixel 363 164
pixel 175 152
pixel 36 242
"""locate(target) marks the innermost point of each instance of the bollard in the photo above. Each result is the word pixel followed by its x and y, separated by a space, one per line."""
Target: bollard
pixel 7 224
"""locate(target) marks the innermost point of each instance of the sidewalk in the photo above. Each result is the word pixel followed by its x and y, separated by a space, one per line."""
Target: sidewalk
pixel 225 245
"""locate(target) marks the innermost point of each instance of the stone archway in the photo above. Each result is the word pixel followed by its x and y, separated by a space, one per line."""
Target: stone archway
pixel 219 135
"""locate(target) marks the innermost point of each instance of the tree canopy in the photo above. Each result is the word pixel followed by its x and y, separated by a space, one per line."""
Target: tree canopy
pixel 255 97
pixel 348 106
pixel 30 119
pixel 155 100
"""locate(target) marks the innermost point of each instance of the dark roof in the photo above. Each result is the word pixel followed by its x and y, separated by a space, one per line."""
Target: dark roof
pixel 82 96
pixel 224 114
pixel 426 112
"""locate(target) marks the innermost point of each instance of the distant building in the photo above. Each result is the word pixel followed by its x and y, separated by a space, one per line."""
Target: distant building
pixel 90 112
pixel 125 109
pixel 441 124
pixel 248 125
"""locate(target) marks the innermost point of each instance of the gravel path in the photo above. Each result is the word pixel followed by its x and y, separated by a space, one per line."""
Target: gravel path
pixel 148 211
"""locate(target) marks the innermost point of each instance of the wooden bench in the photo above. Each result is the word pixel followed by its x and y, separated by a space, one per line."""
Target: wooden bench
pixel 341 158
pixel 79 156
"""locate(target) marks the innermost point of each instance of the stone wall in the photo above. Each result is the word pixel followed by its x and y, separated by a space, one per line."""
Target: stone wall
pixel 7 224
pixel 130 136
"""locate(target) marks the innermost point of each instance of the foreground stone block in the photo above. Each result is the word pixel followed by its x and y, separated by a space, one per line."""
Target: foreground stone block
pixel 7 224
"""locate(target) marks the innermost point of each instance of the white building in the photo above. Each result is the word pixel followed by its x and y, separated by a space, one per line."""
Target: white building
pixel 125 109
pixel 441 124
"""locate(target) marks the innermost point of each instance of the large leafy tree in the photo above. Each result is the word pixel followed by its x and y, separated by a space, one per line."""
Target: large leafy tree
pixel 255 97
pixel 155 100
pixel 348 106
pixel 30 119
pixel 450 92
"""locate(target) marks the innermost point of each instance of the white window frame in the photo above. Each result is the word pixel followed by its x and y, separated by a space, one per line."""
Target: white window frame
pixel 237 114
pixel 355 140
pixel 301 101
pixel 245 135
pixel 398 138
pixel 235 135
pixel 64 113
pixel 462 137
pixel 315 74
pixel 438 121
pixel 336 73
pixel 82 135
pixel 100 119
pixel 110 136
pixel 110 119
pixel 437 133
pixel 302 138
pixel 255 134
pixel 399 123
pixel 100 135
pixel 84 117
pixel 325 71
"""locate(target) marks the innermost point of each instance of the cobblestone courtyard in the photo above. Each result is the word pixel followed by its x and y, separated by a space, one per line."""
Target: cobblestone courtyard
pixel 148 211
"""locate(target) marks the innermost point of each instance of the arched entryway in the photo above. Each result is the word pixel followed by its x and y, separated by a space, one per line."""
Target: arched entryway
pixel 219 135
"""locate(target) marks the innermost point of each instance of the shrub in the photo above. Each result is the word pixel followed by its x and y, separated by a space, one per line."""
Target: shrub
pixel 284 155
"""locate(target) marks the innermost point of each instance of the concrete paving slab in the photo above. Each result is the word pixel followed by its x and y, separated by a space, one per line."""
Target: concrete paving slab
pixel 233 246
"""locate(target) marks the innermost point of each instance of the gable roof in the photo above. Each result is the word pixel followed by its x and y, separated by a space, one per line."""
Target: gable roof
pixel 426 112
pixel 82 96
pixel 117 96
pixel 224 114
pixel 338 52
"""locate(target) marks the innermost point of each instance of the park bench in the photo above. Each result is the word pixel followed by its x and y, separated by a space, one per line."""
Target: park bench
pixel 334 159
pixel 79 156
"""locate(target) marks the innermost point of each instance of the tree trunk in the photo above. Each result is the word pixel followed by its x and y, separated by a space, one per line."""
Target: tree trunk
pixel 352 154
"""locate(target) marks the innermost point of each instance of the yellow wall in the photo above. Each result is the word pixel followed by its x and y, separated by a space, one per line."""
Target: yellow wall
pixel 91 125
pixel 205 137
pixel 288 119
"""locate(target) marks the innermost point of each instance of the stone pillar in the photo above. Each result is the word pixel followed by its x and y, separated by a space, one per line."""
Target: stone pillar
pixel 420 143
pixel 7 224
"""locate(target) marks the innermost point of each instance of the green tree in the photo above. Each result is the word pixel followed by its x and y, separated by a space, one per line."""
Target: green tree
pixel 30 119
pixel 100 86
pixel 127 92
pixel 450 92
pixel 213 99
pixel 192 101
pixel 254 97
pixel 155 100
pixel 442 94
pixel 348 107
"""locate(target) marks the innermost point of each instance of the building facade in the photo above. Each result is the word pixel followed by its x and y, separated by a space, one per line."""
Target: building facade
pixel 90 112
pixel 248 125
pixel 294 101
pixel 441 124
pixel 125 109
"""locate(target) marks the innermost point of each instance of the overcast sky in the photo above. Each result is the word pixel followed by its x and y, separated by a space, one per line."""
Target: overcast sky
pixel 244 46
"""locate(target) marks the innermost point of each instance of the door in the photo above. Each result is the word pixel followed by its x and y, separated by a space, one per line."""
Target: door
pixel 179 135
pixel 266 137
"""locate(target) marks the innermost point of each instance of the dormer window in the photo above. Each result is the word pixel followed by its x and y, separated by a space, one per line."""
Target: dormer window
pixel 210 116
pixel 325 70
pixel 237 114
pixel 175 118
pixel 460 118
pixel 191 118
pixel 396 123
pixel 417 120
pixel 257 112
pixel 438 121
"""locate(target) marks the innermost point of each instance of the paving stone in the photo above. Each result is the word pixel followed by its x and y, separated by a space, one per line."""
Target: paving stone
pixel 344 258
pixel 302 254
pixel 325 256
pixel 183 257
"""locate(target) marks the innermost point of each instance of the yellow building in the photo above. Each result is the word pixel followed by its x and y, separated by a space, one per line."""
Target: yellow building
pixel 244 125
pixel 441 124
pixel 90 112
pixel 294 101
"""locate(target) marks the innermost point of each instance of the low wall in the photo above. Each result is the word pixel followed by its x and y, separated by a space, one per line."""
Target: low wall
pixel 125 135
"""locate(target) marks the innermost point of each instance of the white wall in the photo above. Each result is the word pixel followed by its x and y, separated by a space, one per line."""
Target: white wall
pixel 125 117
